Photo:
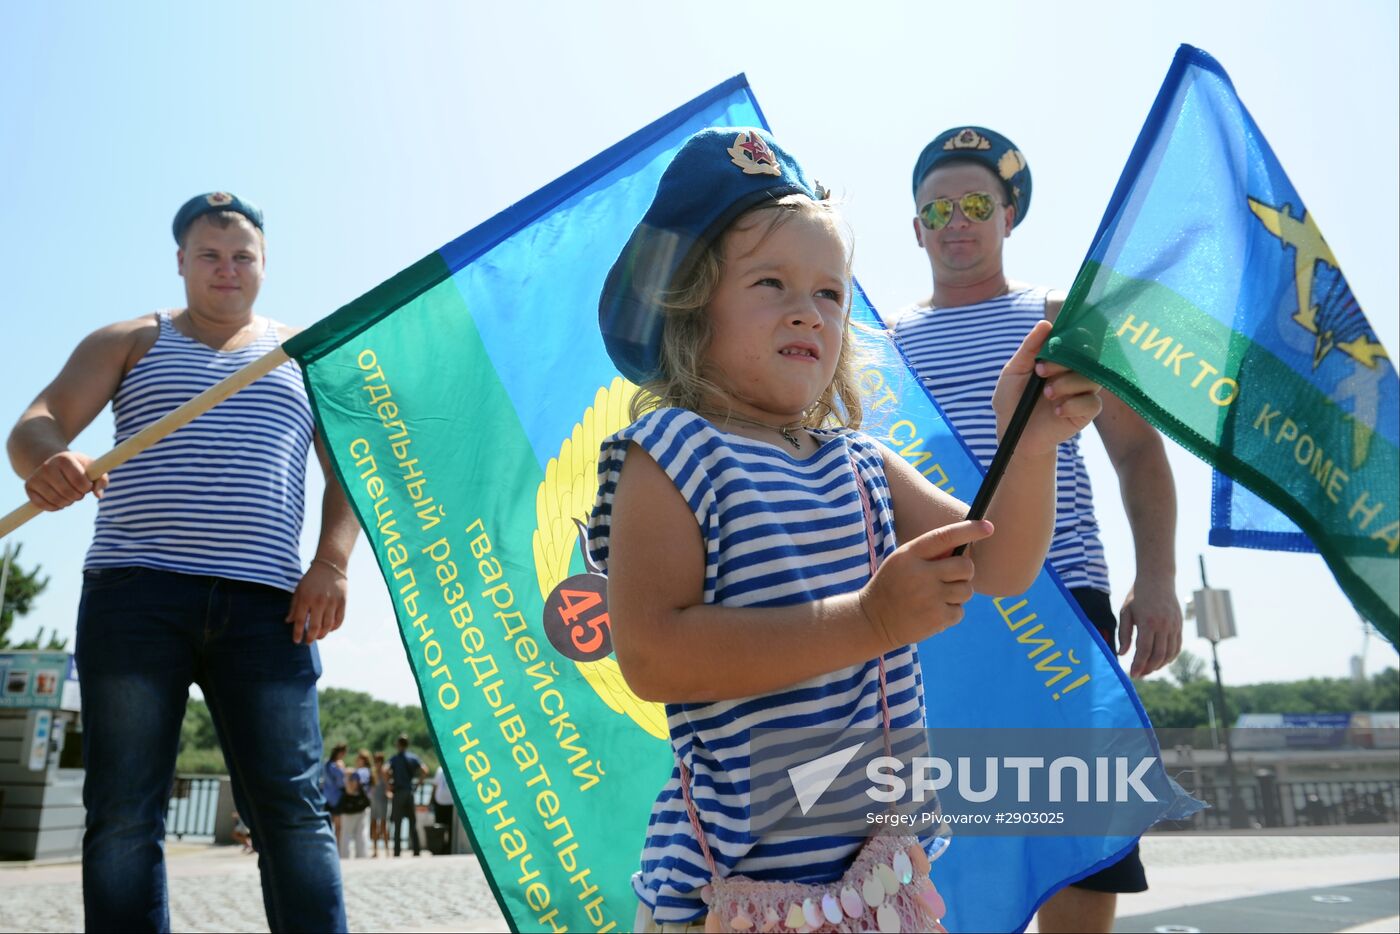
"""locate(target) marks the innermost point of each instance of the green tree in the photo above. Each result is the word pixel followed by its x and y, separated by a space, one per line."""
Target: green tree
pixel 22 587
pixel 351 717
pixel 1185 705
pixel 199 743
pixel 54 643
pixel 363 722
pixel 197 730
pixel 1188 668
pixel 1385 690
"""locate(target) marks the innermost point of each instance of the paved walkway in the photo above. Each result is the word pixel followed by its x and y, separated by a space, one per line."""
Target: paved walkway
pixel 1226 883
pixel 1267 883
pixel 216 888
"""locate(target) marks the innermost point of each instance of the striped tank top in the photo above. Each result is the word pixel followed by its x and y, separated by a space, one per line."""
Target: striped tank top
pixel 223 495
pixel 958 354
pixel 777 531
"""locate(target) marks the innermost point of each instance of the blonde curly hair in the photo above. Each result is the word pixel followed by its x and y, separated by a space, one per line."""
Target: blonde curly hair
pixel 682 380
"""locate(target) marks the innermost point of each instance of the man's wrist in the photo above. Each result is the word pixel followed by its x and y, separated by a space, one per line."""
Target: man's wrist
pixel 1164 577
pixel 327 562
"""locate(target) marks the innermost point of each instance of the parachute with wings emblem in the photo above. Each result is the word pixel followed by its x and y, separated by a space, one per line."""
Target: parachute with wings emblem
pixel 575 611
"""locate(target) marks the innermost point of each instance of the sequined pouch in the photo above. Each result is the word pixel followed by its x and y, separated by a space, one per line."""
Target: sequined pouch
pixel 887 888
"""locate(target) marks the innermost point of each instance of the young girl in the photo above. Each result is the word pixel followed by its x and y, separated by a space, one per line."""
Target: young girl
pixel 379 804
pixel 333 784
pixel 729 517
pixel 354 807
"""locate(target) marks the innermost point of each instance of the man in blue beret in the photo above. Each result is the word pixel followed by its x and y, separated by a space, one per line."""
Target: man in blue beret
pixel 972 187
pixel 194 576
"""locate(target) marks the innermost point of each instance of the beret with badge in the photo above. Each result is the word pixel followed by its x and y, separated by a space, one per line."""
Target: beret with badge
pixel 984 147
pixel 717 175
pixel 208 203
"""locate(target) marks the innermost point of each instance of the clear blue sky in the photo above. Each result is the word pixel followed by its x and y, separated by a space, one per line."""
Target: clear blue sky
pixel 371 135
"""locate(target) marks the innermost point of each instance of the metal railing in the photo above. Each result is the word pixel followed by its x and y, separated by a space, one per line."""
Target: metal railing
pixel 193 807
pixel 1267 803
pixel 1333 803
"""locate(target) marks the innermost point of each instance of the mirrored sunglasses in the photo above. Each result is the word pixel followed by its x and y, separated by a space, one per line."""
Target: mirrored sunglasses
pixel 977 206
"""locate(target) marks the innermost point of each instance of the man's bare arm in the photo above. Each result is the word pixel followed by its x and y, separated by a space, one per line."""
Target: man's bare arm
pixel 318 604
pixel 55 476
pixel 1149 501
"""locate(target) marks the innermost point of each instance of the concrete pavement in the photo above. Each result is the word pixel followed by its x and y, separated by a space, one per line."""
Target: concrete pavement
pixel 216 889
pixel 1219 883
pixel 1248 882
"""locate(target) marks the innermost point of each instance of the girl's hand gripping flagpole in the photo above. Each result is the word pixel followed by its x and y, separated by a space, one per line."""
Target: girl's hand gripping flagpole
pixel 1035 385
pixel 154 432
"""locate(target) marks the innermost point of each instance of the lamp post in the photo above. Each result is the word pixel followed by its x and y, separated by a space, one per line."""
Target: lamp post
pixel 1215 621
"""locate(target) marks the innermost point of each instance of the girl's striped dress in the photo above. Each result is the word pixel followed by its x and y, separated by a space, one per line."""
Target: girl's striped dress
pixel 777 531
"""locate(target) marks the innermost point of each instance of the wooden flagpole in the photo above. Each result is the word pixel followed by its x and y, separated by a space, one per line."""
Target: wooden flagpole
pixel 152 433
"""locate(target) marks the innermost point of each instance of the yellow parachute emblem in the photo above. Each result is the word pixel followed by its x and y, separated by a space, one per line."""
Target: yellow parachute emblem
pixel 565 496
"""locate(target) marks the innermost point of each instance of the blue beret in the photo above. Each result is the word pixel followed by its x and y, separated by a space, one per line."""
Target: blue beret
pixel 718 174
pixel 200 205
pixel 985 147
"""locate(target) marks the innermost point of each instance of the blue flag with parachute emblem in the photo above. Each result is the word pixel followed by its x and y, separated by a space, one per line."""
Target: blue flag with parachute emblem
pixel 1211 303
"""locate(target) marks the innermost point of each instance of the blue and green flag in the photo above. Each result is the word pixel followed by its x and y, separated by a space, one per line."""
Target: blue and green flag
pixel 463 402
pixel 1240 519
pixel 1210 303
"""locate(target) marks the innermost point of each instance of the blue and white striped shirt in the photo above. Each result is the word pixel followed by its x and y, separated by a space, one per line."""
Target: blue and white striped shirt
pixel 777 531
pixel 958 354
pixel 223 495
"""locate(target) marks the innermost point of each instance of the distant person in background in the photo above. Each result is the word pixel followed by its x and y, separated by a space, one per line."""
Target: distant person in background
pixel 195 576
pixel 354 809
pixel 241 834
pixel 379 804
pixel 406 771
pixel 442 804
pixel 333 784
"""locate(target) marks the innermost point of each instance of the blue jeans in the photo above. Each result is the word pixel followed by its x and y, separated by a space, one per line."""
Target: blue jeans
pixel 401 808
pixel 143 637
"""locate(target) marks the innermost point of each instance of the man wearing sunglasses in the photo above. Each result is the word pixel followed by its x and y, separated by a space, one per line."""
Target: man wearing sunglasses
pixel 972 187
